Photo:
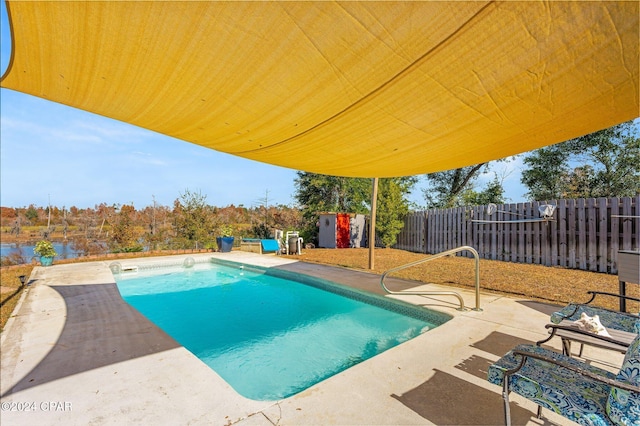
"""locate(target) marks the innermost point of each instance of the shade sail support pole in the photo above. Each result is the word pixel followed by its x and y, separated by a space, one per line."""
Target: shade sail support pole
pixel 372 223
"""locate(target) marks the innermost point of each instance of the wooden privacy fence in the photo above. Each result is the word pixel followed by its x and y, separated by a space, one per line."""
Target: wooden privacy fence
pixel 582 234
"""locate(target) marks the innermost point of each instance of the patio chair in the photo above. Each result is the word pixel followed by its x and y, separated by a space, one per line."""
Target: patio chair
pixel 269 246
pixel 583 393
pixel 623 326
pixel 610 318
pixel 616 340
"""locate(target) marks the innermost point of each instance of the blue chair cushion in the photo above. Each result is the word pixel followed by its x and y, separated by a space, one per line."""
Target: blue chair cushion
pixel 609 319
pixel 270 245
pixel 566 392
pixel 623 407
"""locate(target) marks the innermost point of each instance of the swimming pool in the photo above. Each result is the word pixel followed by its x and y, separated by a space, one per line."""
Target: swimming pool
pixel 269 336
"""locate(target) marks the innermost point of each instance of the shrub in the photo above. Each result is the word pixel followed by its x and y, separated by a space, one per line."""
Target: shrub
pixel 44 248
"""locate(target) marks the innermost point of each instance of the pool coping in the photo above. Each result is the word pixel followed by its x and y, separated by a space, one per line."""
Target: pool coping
pixel 435 378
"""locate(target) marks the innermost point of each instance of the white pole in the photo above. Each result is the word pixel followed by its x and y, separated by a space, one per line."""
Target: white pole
pixel 49 219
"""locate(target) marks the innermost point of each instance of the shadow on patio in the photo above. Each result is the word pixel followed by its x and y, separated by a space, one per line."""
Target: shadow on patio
pixel 99 329
pixel 447 399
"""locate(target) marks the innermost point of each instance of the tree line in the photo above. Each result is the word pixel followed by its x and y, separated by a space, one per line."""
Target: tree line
pixel 603 164
pixel 191 223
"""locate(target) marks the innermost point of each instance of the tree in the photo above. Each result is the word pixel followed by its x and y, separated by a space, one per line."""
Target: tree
pixel 392 207
pixel 124 237
pixel 492 193
pixel 32 214
pixel 446 188
pixel 547 167
pixel 261 230
pixel 333 193
pixel 287 218
pixel 193 220
pixel 605 163
pixel 578 182
pixel 154 219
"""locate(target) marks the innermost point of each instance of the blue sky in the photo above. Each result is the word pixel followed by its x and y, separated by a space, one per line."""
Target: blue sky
pixel 71 157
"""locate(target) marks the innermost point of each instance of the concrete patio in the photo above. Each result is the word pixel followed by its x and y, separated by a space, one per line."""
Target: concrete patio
pixel 76 354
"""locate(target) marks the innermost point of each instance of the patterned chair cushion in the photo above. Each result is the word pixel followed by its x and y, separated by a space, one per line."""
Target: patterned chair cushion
pixel 623 407
pixel 568 393
pixel 608 318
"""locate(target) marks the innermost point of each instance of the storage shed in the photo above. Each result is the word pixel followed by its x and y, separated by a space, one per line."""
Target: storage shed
pixel 341 230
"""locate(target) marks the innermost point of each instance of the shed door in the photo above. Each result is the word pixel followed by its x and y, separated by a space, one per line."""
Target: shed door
pixel 327 234
pixel 343 236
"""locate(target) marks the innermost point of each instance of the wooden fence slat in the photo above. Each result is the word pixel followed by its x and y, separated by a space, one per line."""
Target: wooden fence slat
pixel 474 231
pixel 453 218
pixel 591 234
pixel 572 234
pixel 459 222
pixel 614 231
pixel 528 243
pixel 437 244
pixel 501 228
pixel 492 238
pixel 535 237
pixel 582 235
pixel 440 222
pixel 561 220
pixel 521 236
pixel 552 233
pixel 602 234
pixel 636 213
pixel 627 224
pixel 513 233
pixel 421 219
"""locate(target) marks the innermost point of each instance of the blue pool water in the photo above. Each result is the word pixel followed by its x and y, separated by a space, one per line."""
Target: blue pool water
pixel 268 337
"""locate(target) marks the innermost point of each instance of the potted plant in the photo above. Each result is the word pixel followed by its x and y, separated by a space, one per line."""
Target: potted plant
pixel 225 240
pixel 45 250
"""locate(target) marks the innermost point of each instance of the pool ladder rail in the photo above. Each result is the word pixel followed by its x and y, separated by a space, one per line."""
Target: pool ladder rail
pixel 434 292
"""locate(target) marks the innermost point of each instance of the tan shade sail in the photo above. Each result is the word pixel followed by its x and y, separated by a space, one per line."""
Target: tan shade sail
pixel 353 89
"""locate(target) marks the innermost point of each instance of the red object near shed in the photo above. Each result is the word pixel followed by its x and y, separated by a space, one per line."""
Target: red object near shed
pixel 341 230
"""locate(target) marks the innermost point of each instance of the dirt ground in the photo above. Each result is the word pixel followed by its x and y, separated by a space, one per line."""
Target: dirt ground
pixel 548 284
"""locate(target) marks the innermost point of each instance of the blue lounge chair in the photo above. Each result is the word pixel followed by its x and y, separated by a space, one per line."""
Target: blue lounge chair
pixel 623 321
pixel 270 246
pixel 623 326
pixel 576 390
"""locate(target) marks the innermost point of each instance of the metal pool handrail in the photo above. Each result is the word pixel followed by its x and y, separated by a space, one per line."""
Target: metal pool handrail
pixel 432 257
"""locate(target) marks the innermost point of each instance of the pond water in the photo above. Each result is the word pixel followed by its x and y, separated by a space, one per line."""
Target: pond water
pixel 65 251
